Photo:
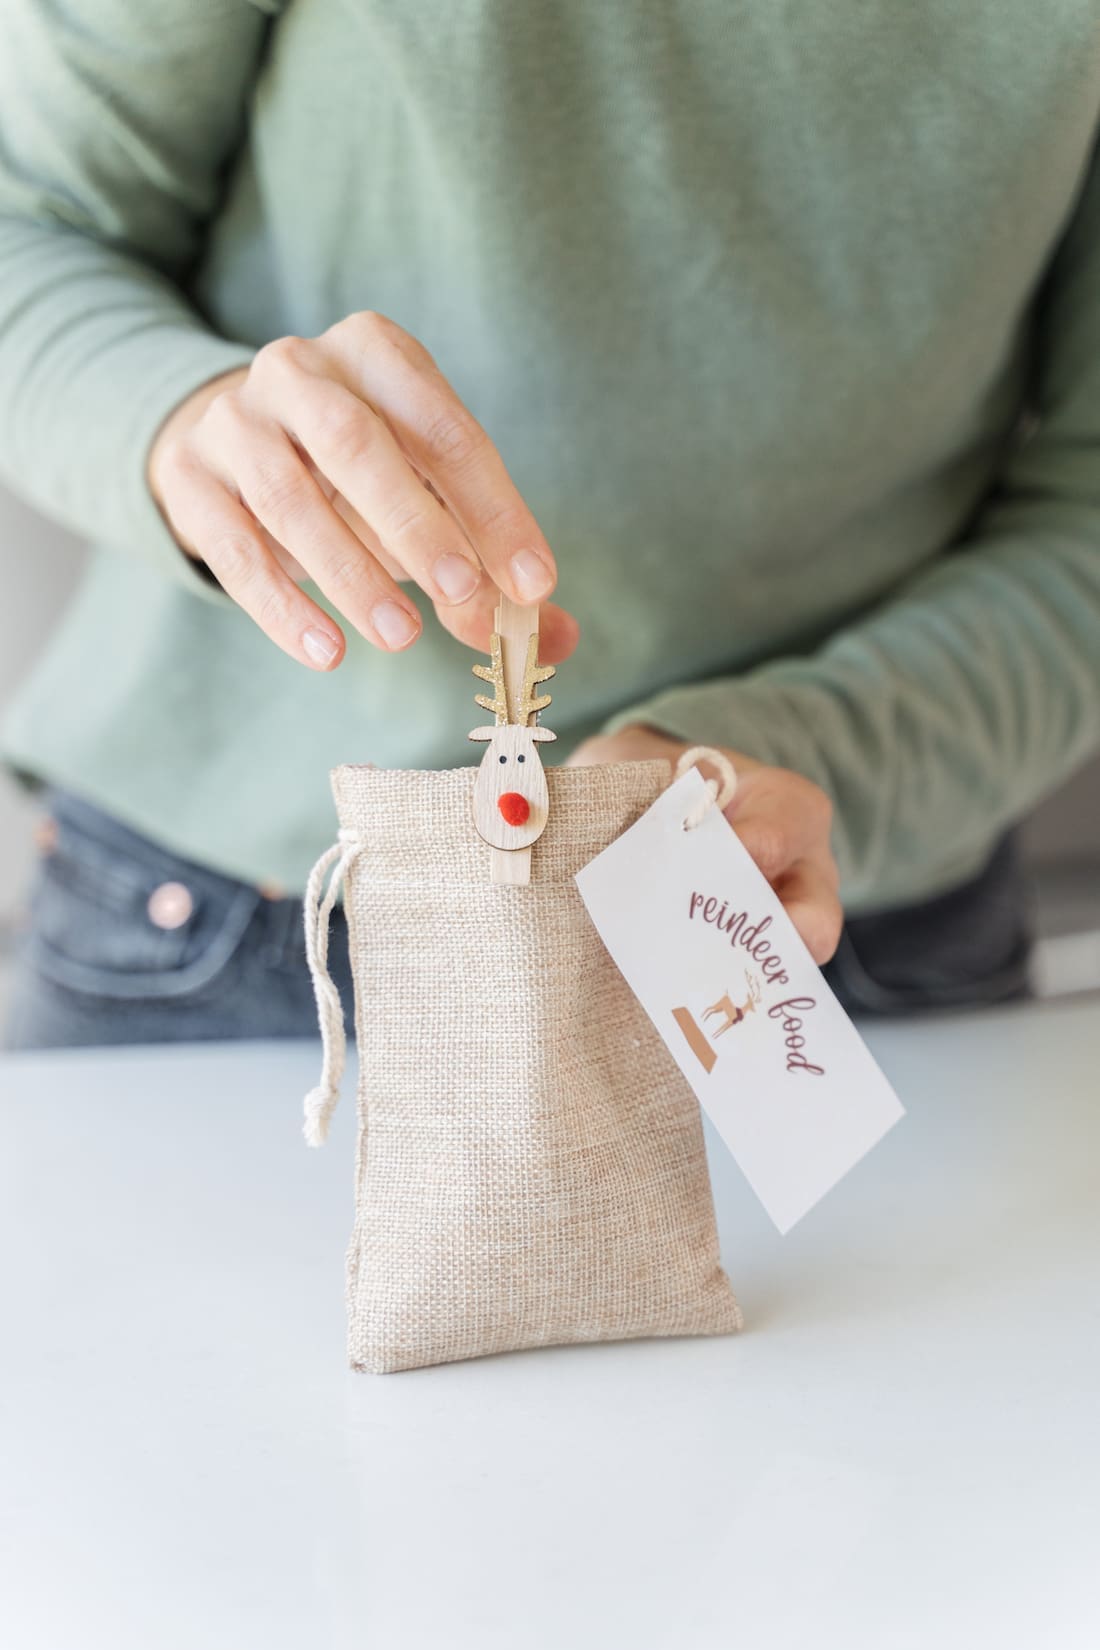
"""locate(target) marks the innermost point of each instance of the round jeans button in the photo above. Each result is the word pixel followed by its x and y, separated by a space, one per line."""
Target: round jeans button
pixel 170 905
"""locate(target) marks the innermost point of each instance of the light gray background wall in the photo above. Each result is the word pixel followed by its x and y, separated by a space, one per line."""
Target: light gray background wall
pixel 39 564
pixel 38 568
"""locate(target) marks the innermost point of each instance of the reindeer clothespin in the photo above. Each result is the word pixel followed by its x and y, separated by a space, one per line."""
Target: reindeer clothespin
pixel 510 797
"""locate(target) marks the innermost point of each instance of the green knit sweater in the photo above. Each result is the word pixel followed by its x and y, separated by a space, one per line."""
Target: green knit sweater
pixel 785 318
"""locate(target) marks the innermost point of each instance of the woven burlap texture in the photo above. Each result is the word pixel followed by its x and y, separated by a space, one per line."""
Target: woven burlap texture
pixel 530 1168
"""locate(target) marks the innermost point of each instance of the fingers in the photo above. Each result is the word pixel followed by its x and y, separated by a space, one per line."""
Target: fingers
pixel 809 895
pixel 354 449
pixel 363 532
pixel 388 369
pixel 784 821
pixel 235 550
pixel 262 464
pixel 780 817
pixel 357 466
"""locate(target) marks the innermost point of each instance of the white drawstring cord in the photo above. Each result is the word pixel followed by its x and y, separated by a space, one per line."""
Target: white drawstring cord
pixel 320 1103
pixel 713 794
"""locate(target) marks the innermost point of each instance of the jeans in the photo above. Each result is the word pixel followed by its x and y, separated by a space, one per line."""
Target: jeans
pixel 129 943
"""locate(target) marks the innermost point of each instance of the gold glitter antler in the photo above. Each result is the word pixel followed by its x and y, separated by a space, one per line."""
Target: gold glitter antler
pixel 533 673
pixel 493 673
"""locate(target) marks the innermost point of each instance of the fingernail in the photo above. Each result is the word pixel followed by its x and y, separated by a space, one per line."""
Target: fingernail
pixel 531 575
pixel 319 646
pixel 455 576
pixel 393 624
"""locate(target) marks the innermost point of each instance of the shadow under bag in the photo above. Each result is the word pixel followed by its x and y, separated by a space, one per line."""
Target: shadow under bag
pixel 530 1166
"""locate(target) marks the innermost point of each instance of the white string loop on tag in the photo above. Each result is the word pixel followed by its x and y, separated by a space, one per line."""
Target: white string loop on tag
pixel 320 1102
pixel 714 794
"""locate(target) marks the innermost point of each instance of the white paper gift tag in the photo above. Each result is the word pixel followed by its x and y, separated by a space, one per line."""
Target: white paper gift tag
pixel 718 966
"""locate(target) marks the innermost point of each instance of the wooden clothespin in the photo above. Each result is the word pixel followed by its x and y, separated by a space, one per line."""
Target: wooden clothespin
pixel 510 796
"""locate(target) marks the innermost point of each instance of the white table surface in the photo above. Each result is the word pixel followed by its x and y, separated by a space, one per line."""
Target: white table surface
pixel 901 1450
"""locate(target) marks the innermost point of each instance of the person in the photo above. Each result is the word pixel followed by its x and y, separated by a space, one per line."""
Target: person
pixel 770 336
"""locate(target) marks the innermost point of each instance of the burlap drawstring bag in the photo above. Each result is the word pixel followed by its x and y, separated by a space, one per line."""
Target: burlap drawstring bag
pixel 530 1166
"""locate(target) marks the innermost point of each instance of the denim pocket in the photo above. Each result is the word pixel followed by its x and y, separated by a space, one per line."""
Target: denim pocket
pixel 94 929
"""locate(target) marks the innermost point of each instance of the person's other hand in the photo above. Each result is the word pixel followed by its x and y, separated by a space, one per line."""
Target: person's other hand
pixel 782 819
pixel 350 460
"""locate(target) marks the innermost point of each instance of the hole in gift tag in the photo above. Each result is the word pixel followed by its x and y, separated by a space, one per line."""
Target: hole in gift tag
pixel 715 793
pixel 516 809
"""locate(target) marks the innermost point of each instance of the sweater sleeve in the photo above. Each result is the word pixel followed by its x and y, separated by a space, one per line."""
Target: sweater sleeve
pixel 119 120
pixel 946 713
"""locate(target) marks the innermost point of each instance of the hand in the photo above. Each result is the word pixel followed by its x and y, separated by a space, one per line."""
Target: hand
pixel 782 819
pixel 350 460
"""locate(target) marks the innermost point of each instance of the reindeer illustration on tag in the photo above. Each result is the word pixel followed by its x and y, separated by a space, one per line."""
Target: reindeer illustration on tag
pixel 733 1013
pixel 510 796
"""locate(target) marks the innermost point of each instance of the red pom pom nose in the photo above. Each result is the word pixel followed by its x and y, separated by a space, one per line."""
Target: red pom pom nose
pixel 515 808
